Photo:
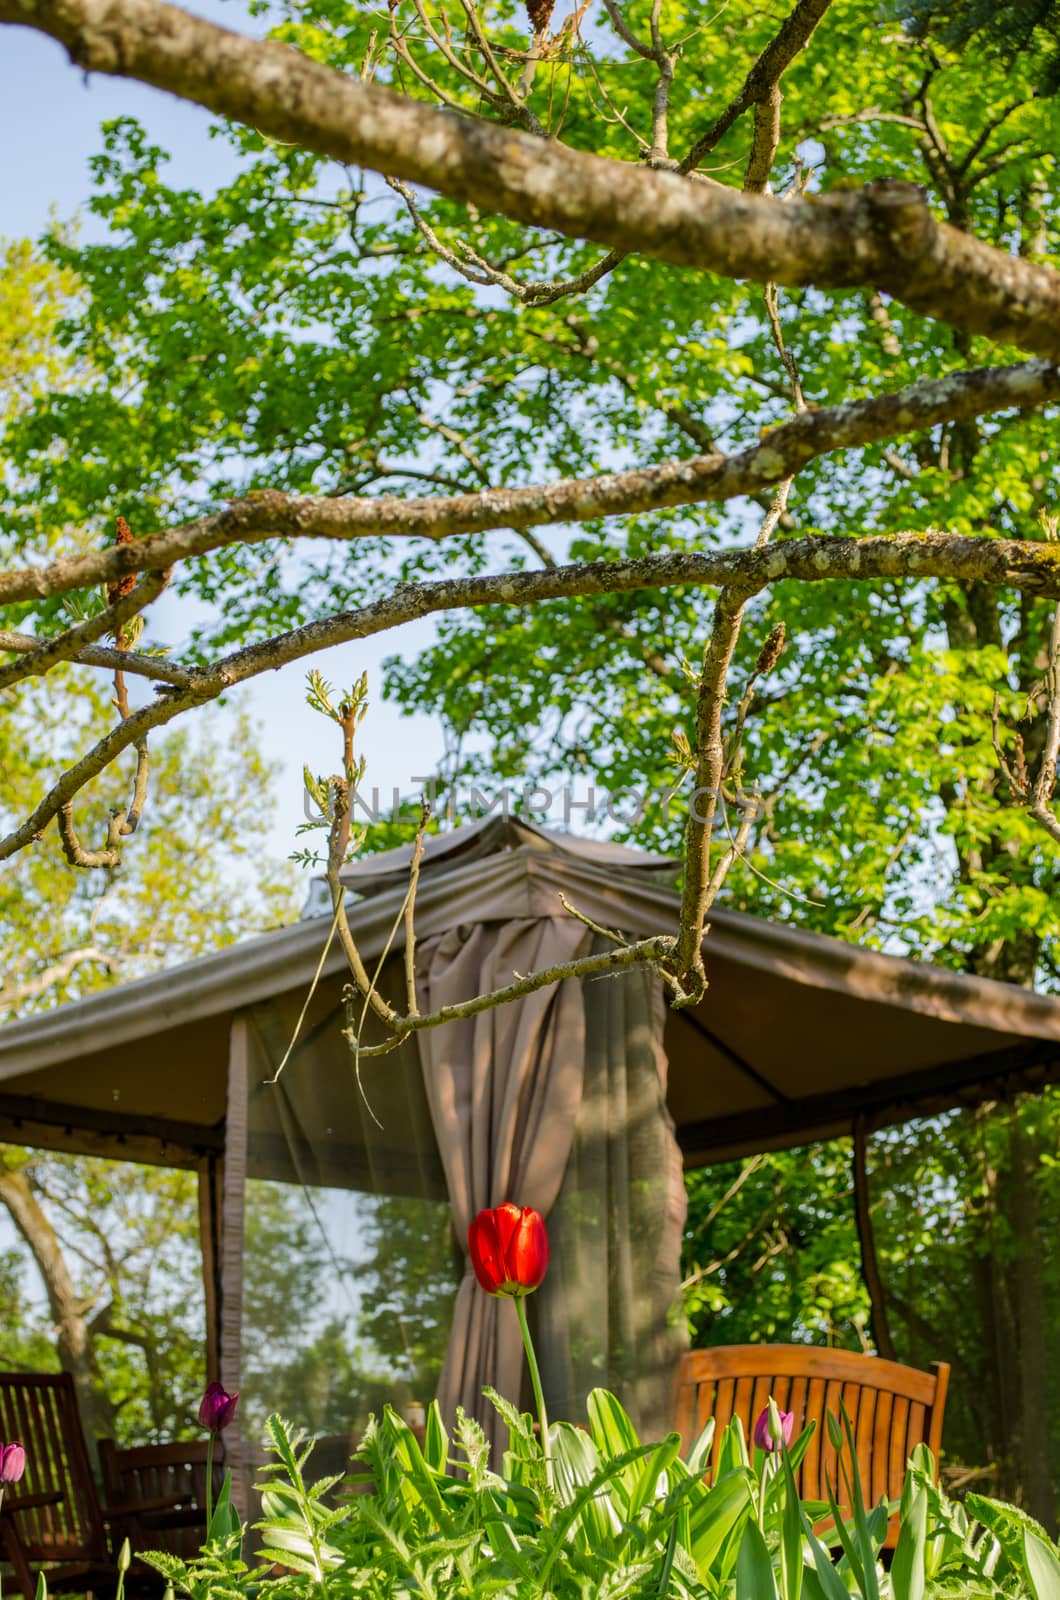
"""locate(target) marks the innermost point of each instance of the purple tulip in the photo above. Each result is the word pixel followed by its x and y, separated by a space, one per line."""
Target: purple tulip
pixel 217 1409
pixel 763 1433
pixel 12 1463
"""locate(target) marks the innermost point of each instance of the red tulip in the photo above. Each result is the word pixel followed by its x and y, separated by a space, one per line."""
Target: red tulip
pixel 763 1434
pixel 12 1463
pixel 509 1249
pixel 217 1409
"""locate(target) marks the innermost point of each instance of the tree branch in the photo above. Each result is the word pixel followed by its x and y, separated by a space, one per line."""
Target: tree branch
pixel 882 236
pixel 67 645
pixel 783 452
pixel 761 84
pixel 1022 564
pixel 103 656
pixel 13 995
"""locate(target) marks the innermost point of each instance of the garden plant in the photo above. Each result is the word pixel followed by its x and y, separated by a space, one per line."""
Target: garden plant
pixel 592 1511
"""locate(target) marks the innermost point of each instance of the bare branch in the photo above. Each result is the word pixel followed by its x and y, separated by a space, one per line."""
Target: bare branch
pixel 643 952
pixel 338 845
pixel 1022 564
pixel 65 646
pixel 142 666
pixel 14 994
pixel 883 235
pixel 411 1003
pixel 760 87
pixel 783 452
pixel 710 770
pixel 1041 795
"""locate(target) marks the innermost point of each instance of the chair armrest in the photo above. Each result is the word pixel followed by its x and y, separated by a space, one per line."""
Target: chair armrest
pixel 30 1502
pixel 137 1508
pixel 178 1517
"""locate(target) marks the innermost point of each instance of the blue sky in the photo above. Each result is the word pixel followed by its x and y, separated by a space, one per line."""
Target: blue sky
pixel 50 116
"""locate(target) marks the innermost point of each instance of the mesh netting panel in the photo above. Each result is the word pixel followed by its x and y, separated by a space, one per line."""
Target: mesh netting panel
pixel 349 1268
pixel 608 1314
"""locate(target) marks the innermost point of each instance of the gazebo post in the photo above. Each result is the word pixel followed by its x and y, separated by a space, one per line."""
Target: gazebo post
pixel 870 1265
pixel 211 1188
pixel 232 1240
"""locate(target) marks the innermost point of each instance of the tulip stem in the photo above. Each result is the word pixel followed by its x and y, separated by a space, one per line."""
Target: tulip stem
pixel 535 1380
pixel 209 1482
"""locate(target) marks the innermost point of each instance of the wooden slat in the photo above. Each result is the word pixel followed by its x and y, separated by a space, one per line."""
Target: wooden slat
pixel 811 1466
pixel 761 1389
pixel 683 1418
pixel 916 1430
pixel 899 1423
pixel 829 1458
pixel 723 1398
pixel 851 1404
pixel 864 1434
pixel 881 1442
pixel 705 1408
pixel 741 1404
pixel 797 1406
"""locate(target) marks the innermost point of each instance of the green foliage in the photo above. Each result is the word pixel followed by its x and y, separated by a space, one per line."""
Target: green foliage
pixel 622 1519
pixel 1017 28
pixel 292 330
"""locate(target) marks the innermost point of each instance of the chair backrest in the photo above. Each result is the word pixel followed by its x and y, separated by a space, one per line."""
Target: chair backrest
pixel 158 1493
pixel 55 1508
pixel 891 1407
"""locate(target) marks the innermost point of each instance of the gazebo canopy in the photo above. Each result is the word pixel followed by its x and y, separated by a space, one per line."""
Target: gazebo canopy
pixel 797 1035
pixel 581 1100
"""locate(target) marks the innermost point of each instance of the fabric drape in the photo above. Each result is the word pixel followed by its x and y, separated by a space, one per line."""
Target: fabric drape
pixel 559 1102
pixel 609 1313
pixel 504 1089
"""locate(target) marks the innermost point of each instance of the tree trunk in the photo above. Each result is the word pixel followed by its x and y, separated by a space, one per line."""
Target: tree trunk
pixel 68 1308
pixel 1032 1360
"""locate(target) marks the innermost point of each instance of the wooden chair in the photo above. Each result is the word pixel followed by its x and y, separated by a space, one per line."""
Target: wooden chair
pixel 891 1408
pixel 157 1493
pixel 52 1519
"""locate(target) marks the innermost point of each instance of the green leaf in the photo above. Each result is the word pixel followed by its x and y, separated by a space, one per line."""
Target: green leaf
pixel 436 1439
pixel 1041 1566
pixel 716 1516
pixel 791 1562
pixel 754 1569
pixel 907 1568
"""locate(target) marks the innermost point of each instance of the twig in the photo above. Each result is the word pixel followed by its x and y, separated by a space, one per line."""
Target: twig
pixel 605 933
pixel 68 645
pixel 307 1002
pixel 1025 565
pixel 103 656
pixel 762 81
pixel 338 845
pixel 410 911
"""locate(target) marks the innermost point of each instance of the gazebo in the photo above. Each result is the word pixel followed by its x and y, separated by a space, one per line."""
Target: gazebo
pixel 584 1099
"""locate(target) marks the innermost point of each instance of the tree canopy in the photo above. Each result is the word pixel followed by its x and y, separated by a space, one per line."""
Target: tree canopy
pixel 676 358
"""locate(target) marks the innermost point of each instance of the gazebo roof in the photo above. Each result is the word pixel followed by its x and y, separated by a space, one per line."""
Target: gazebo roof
pixel 797 1036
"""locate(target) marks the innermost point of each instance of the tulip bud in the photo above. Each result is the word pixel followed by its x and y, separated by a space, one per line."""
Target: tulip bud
pixel 217 1409
pixel 768 1434
pixel 508 1246
pixel 12 1463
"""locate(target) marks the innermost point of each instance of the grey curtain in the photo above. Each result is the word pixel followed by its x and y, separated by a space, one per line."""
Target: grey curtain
pixel 504 1089
pixel 558 1102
